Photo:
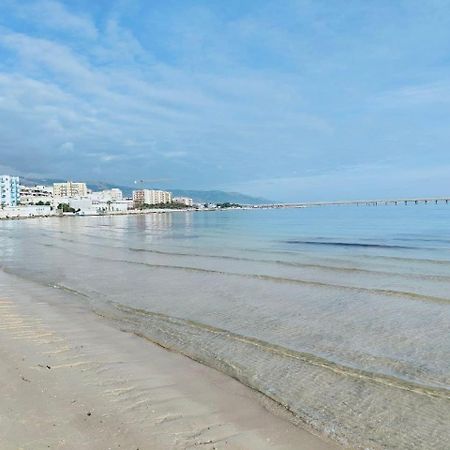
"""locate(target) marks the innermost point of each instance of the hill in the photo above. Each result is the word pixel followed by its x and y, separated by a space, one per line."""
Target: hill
pixel 199 196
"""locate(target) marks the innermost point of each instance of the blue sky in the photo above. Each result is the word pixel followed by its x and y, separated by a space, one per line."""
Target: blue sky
pixel 291 100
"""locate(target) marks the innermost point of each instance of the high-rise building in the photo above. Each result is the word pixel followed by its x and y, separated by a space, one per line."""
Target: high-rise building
pixel 9 190
pixel 70 189
pixel 151 197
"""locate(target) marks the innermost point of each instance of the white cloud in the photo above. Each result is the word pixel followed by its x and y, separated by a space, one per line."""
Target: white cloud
pixel 54 15
pixel 235 95
pixel 420 94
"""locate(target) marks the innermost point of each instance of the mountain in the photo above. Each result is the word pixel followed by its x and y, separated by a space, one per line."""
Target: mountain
pixel 198 196
pixel 219 197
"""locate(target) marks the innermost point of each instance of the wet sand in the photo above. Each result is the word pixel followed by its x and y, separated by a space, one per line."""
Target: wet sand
pixel 71 380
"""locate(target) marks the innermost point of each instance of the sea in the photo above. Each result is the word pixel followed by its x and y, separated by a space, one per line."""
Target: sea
pixel 341 314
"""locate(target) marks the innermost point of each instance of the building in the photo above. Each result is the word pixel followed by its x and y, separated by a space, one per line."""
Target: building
pixel 70 189
pixel 16 212
pixel 186 201
pixel 108 195
pixel 108 207
pixel 33 195
pixel 151 197
pixel 87 206
pixel 9 191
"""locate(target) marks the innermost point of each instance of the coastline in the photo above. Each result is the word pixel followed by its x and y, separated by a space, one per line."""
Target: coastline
pixel 76 381
pixel 131 212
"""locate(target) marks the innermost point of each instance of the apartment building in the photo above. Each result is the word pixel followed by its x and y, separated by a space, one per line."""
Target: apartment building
pixel 70 189
pixel 108 195
pixel 9 190
pixel 151 197
pixel 32 195
pixel 186 201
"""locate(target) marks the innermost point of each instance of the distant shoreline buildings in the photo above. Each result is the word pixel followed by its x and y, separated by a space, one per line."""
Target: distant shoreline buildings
pixel 70 189
pixel 143 197
pixel 76 198
pixel 186 201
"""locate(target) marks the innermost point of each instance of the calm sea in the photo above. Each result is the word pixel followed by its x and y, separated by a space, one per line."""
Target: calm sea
pixel 341 314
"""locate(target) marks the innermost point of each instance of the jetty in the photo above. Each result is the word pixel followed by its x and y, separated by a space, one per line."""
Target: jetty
pixel 398 201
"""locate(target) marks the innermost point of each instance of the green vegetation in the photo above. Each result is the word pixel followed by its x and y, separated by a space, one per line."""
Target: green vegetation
pixel 229 205
pixel 65 208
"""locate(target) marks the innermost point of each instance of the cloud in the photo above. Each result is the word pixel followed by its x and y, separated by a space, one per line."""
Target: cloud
pixel 55 16
pixel 79 98
pixel 216 95
pixel 43 55
pixel 421 94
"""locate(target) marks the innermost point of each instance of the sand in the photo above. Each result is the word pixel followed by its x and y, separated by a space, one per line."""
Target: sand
pixel 70 379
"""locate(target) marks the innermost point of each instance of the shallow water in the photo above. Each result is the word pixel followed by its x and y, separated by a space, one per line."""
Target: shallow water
pixel 342 314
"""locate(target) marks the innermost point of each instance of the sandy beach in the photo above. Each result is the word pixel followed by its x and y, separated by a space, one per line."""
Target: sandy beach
pixel 72 380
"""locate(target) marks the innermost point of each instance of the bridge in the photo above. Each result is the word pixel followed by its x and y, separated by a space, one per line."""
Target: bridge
pixel 399 201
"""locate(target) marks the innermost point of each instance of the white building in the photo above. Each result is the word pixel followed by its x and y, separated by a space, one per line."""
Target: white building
pixel 151 197
pixel 32 195
pixel 12 212
pixel 108 195
pixel 70 189
pixel 88 206
pixel 9 191
pixel 107 207
pixel 186 201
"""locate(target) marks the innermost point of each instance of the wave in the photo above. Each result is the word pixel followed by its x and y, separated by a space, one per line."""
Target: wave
pixel 374 291
pixel 422 239
pixel 310 358
pixel 325 267
pixel 415 259
pixel 298 264
pixel 346 403
pixel 349 244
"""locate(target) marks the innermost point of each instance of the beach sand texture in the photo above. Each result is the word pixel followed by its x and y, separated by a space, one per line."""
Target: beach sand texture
pixel 71 380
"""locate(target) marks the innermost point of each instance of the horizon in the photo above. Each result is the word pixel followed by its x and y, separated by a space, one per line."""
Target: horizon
pixel 304 101
pixel 91 184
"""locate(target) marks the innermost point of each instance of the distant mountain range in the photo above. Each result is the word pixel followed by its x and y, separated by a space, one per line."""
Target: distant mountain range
pixel 197 195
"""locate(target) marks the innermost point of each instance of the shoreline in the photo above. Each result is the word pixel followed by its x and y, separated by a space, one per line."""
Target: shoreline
pixel 129 213
pixel 77 381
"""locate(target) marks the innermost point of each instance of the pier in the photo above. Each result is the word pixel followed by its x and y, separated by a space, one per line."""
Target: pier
pixel 385 202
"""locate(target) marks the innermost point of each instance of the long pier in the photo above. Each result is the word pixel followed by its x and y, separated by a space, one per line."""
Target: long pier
pixel 399 201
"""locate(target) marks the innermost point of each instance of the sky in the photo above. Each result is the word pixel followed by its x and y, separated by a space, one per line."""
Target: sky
pixel 290 100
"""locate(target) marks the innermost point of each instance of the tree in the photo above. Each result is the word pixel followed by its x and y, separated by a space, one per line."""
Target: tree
pixel 66 208
pixel 229 205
